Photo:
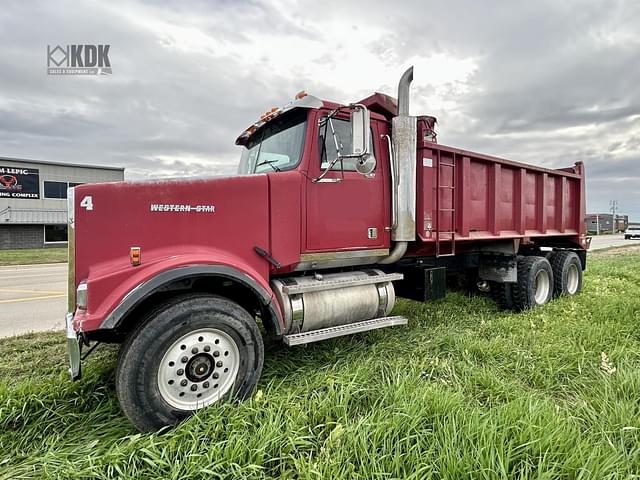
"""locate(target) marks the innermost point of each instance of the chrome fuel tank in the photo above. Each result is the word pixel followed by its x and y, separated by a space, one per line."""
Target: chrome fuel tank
pixel 320 301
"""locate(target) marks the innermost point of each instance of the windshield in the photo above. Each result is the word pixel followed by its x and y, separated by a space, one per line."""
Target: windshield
pixel 275 147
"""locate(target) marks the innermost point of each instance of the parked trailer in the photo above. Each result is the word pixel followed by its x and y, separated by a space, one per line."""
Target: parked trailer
pixel 335 211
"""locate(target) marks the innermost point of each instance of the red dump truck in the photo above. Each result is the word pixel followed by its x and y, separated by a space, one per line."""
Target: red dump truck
pixel 335 211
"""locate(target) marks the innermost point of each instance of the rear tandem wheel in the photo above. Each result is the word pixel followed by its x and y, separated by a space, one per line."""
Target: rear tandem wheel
pixel 534 286
pixel 567 273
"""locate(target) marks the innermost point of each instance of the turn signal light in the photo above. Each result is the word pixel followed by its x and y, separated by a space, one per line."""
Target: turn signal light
pixel 135 256
pixel 301 94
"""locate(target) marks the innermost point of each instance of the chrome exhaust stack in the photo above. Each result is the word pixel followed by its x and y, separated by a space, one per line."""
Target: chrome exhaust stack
pixel 405 143
pixel 404 136
pixel 403 92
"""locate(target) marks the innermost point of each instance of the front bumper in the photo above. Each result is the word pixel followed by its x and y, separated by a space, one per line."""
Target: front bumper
pixel 74 346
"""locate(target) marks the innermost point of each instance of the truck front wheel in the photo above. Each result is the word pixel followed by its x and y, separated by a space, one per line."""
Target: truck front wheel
pixel 535 283
pixel 195 351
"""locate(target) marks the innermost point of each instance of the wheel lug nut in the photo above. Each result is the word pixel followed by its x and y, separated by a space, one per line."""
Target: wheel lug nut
pixel 205 384
pixel 194 388
pixel 180 371
pixel 218 363
pixel 216 353
pixel 183 383
pixel 207 348
pixel 184 359
pixel 194 350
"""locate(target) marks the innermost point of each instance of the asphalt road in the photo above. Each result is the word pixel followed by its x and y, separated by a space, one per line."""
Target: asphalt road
pixel 599 242
pixel 32 298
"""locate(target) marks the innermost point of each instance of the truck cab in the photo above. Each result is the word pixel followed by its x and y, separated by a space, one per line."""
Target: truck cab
pixel 319 203
pixel 335 210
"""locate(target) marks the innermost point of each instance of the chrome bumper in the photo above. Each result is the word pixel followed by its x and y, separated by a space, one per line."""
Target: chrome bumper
pixel 73 348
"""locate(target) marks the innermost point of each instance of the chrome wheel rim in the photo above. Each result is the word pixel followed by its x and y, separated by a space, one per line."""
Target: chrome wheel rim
pixel 573 279
pixel 198 369
pixel 542 284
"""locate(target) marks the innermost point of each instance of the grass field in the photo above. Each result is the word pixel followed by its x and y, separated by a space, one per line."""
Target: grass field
pixel 30 256
pixel 465 391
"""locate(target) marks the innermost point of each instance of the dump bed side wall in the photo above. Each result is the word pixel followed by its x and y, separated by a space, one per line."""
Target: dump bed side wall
pixel 476 197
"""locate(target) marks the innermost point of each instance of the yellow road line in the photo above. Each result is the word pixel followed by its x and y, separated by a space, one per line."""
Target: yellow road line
pixel 15 300
pixel 16 290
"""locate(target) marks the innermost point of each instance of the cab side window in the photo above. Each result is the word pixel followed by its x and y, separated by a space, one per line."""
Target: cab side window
pixel 327 145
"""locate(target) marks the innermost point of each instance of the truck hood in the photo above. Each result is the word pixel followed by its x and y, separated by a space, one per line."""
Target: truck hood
pixel 173 222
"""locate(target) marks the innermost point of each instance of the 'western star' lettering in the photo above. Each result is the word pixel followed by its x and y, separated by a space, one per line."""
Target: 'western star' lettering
pixel 182 208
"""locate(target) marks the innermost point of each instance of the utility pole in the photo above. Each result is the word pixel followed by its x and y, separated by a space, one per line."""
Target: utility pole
pixel 597 224
pixel 613 207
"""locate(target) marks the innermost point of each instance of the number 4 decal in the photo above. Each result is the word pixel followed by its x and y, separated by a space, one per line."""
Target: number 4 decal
pixel 87 202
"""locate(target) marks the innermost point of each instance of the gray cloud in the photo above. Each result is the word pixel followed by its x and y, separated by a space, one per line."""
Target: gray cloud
pixel 552 82
pixel 557 82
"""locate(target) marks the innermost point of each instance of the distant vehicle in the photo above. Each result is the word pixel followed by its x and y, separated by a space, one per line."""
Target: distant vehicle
pixel 632 232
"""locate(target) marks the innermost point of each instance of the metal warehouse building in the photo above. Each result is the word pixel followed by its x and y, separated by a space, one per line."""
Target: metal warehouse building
pixel 33 199
pixel 603 223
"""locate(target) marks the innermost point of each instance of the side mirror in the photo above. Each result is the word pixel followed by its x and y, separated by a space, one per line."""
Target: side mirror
pixel 366 165
pixel 360 131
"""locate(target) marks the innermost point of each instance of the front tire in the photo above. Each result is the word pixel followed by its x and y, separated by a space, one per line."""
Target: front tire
pixel 535 283
pixel 194 351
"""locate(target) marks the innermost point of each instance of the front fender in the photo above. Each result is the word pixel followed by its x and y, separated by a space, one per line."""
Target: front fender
pixel 122 289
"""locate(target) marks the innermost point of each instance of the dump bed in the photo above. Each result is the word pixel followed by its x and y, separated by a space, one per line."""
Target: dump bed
pixel 470 197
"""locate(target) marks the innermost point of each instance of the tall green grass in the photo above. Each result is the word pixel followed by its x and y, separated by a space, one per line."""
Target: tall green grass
pixel 32 256
pixel 465 391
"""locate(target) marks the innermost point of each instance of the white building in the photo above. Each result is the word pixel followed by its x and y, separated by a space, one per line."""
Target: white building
pixel 33 199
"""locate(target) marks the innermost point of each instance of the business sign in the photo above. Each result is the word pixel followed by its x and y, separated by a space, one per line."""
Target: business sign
pixel 16 182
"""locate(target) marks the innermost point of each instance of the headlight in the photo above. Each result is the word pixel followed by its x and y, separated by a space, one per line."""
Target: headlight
pixel 81 296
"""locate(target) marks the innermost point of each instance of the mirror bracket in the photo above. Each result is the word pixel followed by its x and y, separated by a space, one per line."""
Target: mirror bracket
pixel 360 139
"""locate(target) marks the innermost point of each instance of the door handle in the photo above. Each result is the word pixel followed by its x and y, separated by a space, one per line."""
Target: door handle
pixel 328 180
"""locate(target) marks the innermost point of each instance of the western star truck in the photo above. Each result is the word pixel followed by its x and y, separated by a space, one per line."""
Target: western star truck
pixel 335 211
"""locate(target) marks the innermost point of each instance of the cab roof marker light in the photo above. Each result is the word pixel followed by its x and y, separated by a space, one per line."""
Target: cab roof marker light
pixel 301 100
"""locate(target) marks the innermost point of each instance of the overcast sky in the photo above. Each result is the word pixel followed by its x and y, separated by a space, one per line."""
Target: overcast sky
pixel 546 82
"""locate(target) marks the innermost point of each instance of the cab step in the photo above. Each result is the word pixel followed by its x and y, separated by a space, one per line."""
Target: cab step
pixel 339 331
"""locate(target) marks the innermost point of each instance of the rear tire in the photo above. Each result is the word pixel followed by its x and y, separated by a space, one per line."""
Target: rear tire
pixel 502 294
pixel 535 283
pixel 567 273
pixel 195 351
